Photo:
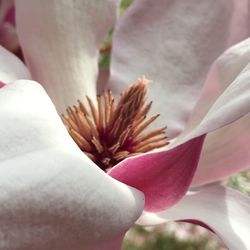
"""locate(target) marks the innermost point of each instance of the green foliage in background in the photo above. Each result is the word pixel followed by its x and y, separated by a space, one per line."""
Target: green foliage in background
pixel 165 241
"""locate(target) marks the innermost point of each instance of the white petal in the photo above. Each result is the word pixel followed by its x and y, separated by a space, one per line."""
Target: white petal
pixel 224 210
pixel 60 41
pixel 52 195
pixel 172 43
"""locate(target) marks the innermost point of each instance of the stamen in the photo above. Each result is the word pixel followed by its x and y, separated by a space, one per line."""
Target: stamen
pixel 112 132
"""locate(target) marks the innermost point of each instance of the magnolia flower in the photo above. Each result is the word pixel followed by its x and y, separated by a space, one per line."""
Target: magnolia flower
pixel 52 195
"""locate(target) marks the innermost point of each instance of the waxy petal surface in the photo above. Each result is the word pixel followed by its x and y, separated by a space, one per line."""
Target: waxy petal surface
pixel 52 195
pixel 163 177
pixel 173 43
pixel 11 67
pixel 61 41
pixel 233 104
pixel 225 151
pixel 224 210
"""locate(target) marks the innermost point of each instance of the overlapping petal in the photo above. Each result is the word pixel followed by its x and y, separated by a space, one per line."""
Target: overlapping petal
pixel 163 177
pixel 52 195
pixel 56 199
pixel 156 170
pixel 224 210
pixel 61 47
pixel 173 43
pixel 225 151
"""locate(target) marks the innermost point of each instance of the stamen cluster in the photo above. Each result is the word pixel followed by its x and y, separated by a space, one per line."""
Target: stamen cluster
pixel 112 132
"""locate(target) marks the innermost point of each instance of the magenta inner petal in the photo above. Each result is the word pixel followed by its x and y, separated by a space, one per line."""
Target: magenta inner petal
pixel 163 177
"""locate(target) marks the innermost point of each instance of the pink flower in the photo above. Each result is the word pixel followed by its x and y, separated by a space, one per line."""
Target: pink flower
pixel 55 197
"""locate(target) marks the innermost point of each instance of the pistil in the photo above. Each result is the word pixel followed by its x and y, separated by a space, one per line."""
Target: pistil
pixel 112 131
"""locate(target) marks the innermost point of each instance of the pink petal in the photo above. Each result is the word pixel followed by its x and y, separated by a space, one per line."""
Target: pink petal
pixel 224 71
pixel 173 43
pixel 11 67
pixel 224 210
pixel 52 196
pixel 163 177
pixel 60 41
pixel 225 151
pixel 233 104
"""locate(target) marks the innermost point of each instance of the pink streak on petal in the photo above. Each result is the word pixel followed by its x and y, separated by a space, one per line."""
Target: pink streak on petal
pixel 10 15
pixel 198 223
pixel 2 84
pixel 163 177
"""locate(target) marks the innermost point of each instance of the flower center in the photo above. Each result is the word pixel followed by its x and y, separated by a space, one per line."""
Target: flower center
pixel 114 131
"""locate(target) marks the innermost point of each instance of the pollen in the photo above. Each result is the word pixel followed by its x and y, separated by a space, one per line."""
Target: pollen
pixel 112 131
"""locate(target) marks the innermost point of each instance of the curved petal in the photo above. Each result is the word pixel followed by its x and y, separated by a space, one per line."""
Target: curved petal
pixel 155 39
pixel 233 104
pixel 52 195
pixel 230 106
pixel 225 151
pixel 11 67
pixel 224 210
pixel 224 71
pixel 60 41
pixel 163 177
